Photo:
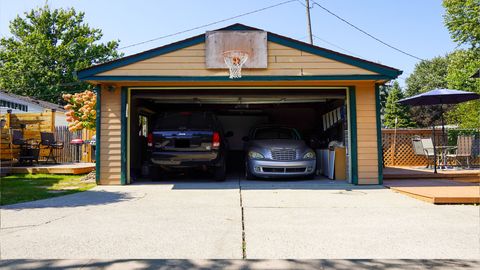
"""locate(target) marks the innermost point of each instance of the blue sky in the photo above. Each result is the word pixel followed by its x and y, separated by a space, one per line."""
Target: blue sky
pixel 411 25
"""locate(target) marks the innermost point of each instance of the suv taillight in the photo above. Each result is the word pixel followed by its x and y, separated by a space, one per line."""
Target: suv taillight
pixel 150 140
pixel 216 140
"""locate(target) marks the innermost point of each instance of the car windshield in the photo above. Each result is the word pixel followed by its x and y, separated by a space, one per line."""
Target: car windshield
pixel 276 133
pixel 185 120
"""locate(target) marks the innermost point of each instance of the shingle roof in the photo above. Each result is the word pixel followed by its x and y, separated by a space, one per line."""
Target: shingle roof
pixel 41 103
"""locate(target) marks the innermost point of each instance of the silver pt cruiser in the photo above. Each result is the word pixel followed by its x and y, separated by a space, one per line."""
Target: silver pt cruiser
pixel 276 152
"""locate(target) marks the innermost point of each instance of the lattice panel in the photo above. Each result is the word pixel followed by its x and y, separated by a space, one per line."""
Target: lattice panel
pixel 398 148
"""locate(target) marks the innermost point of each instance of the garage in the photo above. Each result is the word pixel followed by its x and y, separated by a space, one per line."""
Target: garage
pixel 238 113
pixel 330 99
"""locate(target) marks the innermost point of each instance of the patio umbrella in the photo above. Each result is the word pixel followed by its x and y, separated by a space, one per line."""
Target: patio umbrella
pixel 439 97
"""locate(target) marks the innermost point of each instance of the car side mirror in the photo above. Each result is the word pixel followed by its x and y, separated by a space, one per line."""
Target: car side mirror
pixel 245 138
pixel 228 134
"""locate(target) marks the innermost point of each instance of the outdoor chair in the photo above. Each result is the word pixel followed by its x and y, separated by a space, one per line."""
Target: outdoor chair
pixel 48 140
pixel 428 148
pixel 28 147
pixel 422 150
pixel 464 150
pixel 17 138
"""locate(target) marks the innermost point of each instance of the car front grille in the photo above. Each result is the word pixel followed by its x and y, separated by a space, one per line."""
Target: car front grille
pixel 284 154
pixel 283 170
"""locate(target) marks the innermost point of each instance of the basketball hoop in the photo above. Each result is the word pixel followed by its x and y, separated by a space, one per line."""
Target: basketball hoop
pixel 234 61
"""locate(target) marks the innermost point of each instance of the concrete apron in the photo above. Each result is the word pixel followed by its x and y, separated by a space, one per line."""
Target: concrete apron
pixel 238 219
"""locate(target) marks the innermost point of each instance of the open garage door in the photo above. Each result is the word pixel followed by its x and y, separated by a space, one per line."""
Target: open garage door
pixel 319 115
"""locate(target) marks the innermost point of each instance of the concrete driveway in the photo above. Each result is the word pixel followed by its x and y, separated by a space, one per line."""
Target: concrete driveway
pixel 239 219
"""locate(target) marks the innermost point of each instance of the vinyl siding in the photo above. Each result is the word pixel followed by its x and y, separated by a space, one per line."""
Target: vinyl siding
pixel 282 60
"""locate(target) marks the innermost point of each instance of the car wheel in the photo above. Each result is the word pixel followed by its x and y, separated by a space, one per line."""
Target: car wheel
pixel 220 173
pixel 248 174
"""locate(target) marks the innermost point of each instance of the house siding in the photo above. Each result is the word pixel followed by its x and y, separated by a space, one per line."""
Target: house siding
pixel 110 141
pixel 282 61
pixel 366 134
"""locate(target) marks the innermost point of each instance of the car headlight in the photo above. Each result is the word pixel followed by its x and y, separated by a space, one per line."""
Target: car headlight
pixel 255 155
pixel 309 155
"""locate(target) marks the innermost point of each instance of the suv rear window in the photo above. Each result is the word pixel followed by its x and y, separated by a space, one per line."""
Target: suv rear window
pixel 185 120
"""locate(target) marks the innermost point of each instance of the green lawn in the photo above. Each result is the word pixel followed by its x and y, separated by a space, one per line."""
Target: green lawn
pixel 29 187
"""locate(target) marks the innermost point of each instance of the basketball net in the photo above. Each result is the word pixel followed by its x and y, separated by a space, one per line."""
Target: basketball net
pixel 234 61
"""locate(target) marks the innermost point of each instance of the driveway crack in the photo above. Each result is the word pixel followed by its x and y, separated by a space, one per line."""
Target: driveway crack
pixel 244 242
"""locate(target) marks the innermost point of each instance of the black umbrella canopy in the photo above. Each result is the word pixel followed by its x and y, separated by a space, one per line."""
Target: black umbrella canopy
pixel 440 96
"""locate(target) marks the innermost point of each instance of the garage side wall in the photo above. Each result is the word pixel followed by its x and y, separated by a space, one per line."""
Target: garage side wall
pixel 367 134
pixel 110 137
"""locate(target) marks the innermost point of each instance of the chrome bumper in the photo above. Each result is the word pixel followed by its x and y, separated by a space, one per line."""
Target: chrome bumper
pixel 270 168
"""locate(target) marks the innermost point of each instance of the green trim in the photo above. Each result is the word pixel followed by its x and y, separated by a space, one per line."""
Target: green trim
pixel 390 72
pixel 347 59
pixel 82 74
pixel 123 117
pixel 244 78
pixel 98 128
pixel 352 101
pixel 379 134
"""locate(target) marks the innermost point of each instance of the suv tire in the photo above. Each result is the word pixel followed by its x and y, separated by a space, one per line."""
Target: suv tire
pixel 220 173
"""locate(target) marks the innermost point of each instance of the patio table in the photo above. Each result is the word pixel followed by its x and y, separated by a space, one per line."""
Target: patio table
pixel 442 151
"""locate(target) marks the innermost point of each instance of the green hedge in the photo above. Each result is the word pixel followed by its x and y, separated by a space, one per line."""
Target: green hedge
pixel 452 134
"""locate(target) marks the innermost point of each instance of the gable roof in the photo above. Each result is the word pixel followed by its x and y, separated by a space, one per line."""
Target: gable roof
pixel 382 70
pixel 30 101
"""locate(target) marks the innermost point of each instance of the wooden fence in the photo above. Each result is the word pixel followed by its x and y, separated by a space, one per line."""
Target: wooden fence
pixel 398 148
pixel 32 124
pixel 71 153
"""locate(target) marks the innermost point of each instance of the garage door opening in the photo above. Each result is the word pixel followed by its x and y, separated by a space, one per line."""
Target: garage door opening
pixel 319 115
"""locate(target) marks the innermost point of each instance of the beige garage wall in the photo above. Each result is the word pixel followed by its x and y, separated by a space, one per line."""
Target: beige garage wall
pixel 366 133
pixel 282 61
pixel 110 137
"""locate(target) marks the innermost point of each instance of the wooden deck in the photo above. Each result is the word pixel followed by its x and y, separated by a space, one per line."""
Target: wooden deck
pixel 68 168
pixel 414 173
pixel 437 191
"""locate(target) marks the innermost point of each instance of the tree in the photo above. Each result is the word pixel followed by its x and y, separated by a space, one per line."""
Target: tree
pixel 46 48
pixel 427 75
pixel 384 91
pixel 463 63
pixel 462 18
pixel 393 110
pixel 81 110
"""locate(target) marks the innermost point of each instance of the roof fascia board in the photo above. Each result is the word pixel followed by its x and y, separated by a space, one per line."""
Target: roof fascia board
pixel 244 78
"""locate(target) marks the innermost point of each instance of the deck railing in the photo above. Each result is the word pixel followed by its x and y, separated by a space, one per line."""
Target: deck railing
pixel 34 123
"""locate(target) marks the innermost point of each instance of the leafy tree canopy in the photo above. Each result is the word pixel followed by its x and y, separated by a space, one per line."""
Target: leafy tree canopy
pixel 462 18
pixel 384 90
pixel 427 75
pixel 46 48
pixel 463 63
pixel 393 110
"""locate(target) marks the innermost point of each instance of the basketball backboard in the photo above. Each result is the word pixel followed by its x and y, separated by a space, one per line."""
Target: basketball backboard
pixel 254 43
